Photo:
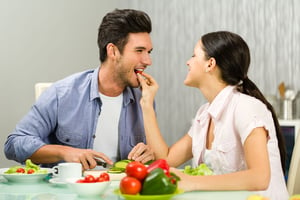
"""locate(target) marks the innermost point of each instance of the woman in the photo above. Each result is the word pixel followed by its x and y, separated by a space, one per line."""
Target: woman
pixel 236 133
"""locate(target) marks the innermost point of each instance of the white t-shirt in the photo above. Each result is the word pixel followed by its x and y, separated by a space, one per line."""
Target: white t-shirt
pixel 106 140
pixel 235 115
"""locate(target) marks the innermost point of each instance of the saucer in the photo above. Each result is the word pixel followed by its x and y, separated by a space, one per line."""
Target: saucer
pixel 57 181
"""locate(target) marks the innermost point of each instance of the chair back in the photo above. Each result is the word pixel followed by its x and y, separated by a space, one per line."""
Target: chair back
pixel 293 182
pixel 40 87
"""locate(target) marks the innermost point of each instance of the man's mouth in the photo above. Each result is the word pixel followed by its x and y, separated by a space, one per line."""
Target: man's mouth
pixel 138 71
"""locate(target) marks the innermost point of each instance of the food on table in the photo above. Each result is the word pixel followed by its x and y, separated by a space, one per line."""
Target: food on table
pixel 119 167
pixel 160 163
pixel 200 170
pixel 92 179
pixel 157 182
pixel 29 168
pixel 295 197
pixel 156 179
pixel 130 185
pixel 137 170
pixel 257 197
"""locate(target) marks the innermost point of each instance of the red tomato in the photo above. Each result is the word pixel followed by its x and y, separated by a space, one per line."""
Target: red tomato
pixel 20 170
pixel 80 181
pixel 105 176
pixel 130 185
pixel 137 170
pixel 89 179
pixel 30 171
pixel 100 179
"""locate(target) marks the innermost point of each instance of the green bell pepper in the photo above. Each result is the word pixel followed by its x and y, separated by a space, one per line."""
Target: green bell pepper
pixel 157 182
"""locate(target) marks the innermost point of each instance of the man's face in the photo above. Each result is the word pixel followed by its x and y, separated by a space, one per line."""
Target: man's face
pixel 135 56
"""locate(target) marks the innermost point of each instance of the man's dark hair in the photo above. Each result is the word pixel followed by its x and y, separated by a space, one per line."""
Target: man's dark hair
pixel 117 25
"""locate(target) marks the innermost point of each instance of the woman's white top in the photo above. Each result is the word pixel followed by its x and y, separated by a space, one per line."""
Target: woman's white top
pixel 235 115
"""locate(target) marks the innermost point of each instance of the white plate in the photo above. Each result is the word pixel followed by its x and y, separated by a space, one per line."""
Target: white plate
pixel 24 178
pixel 113 176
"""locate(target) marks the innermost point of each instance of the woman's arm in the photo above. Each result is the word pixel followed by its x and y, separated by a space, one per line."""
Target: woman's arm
pixel 255 177
pixel 178 153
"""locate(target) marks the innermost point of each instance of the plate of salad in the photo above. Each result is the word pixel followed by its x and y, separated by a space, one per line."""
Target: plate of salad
pixel 29 173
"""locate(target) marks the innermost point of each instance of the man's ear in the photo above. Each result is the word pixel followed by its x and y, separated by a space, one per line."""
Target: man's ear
pixel 111 50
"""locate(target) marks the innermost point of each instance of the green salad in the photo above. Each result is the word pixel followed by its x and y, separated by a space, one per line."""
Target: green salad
pixel 201 170
pixel 29 168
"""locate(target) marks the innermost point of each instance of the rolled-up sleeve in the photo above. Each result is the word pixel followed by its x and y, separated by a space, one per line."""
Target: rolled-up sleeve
pixel 33 130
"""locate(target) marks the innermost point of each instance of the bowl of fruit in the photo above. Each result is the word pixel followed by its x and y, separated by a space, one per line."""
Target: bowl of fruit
pixel 153 182
pixel 90 185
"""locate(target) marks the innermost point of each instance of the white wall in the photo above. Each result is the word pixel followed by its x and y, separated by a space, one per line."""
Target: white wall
pixel 43 40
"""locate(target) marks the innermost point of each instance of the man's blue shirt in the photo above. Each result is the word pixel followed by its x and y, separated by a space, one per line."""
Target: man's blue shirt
pixel 67 114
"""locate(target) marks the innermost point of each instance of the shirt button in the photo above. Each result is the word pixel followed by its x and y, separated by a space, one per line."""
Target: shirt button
pixel 94 136
pixel 67 140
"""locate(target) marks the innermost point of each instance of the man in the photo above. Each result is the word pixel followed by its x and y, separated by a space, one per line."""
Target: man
pixel 94 114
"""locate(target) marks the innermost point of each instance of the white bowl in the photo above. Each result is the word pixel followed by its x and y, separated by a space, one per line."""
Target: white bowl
pixel 88 189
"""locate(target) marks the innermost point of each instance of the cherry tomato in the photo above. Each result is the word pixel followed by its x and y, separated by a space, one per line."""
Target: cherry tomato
pixel 30 171
pixel 130 185
pixel 105 176
pixel 89 179
pixel 100 179
pixel 137 170
pixel 20 170
pixel 80 181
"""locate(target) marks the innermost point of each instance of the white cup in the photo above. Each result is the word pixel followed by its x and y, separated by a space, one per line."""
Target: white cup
pixel 67 170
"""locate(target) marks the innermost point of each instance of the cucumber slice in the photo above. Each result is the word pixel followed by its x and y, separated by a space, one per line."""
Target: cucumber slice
pixel 121 164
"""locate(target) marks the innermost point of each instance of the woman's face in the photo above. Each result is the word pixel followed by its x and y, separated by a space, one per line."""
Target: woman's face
pixel 197 65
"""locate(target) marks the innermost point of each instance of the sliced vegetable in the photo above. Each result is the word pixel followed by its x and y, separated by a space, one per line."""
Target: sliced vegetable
pixel 119 166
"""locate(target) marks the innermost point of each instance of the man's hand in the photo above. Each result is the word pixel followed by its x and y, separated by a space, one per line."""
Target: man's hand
pixel 86 157
pixel 55 153
pixel 142 153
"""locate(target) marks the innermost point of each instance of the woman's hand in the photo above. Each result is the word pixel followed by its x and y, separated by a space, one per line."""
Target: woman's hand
pixel 184 183
pixel 149 88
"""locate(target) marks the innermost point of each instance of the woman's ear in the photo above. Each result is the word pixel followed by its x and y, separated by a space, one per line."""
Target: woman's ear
pixel 212 62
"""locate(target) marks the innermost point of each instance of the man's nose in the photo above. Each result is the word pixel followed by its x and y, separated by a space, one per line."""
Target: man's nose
pixel 147 59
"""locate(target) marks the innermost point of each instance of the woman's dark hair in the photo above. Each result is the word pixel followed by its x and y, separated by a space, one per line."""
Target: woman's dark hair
pixel 116 26
pixel 232 56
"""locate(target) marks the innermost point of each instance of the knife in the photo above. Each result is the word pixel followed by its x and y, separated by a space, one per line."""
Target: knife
pixel 103 164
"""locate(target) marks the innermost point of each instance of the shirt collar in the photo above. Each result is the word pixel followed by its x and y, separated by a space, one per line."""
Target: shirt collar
pixel 220 102
pixel 94 85
pixel 94 92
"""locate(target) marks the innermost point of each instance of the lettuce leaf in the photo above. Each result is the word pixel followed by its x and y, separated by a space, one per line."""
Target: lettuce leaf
pixel 28 165
pixel 200 170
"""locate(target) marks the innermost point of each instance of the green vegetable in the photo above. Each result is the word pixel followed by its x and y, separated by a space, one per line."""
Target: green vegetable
pixel 28 165
pixel 119 166
pixel 157 182
pixel 201 170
